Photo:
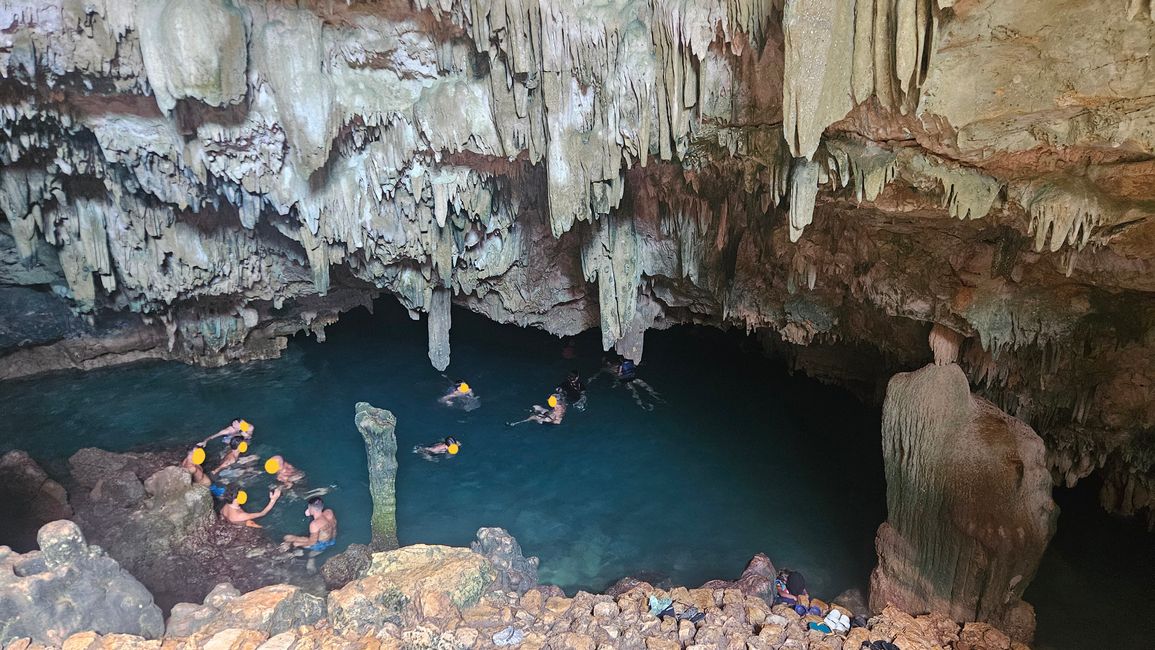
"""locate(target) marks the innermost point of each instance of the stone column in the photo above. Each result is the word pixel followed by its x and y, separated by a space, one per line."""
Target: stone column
pixel 377 428
pixel 968 497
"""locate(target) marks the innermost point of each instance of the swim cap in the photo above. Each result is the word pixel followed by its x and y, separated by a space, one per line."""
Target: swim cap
pixel 243 447
pixel 552 401
pixel 242 497
pixel 245 426
pixel 453 448
pixel 198 455
pixel 463 387
pixel 272 465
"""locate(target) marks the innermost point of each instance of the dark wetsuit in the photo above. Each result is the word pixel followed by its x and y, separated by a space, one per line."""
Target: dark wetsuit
pixel 627 371
pixel 574 388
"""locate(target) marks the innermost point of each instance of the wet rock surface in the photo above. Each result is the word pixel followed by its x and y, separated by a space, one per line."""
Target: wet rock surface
pixel 145 512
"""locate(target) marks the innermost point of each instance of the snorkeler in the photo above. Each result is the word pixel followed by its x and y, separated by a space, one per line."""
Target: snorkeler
pixel 543 415
pixel 626 372
pixel 575 390
pixel 285 473
pixel 450 446
pixel 461 395
pixel 322 530
pixel 233 513
pixel 238 429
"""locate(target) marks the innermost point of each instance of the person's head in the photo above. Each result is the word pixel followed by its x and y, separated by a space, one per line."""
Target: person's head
pixel 245 428
pixel 451 441
pixel 236 496
pixel 452 446
pixel 573 376
pixel 274 464
pixel 314 507
pixel 462 387
pixel 196 454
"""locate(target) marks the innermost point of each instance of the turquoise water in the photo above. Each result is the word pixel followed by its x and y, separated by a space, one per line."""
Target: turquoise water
pixel 741 458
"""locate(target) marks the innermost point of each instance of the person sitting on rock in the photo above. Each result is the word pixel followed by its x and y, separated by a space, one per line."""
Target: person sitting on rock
pixel 322 530
pixel 285 473
pixel 239 429
pixel 552 414
pixel 233 513
pixel 790 588
pixel 461 395
pixel 449 446
pixel 192 464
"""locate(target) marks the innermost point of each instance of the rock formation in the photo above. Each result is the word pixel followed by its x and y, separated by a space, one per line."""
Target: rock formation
pixel 377 428
pixel 67 587
pixel 968 501
pixel 28 500
pixel 515 572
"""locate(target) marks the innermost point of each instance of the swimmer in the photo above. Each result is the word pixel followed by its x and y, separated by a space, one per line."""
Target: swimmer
pixel 461 395
pixel 322 530
pixel 284 472
pixel 233 513
pixel 192 464
pixel 575 390
pixel 238 429
pixel 237 446
pixel 449 446
pixel 552 414
pixel 626 372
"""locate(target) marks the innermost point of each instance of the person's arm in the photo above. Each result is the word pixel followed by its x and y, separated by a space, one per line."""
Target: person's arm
pixel 313 538
pixel 232 428
pixel 229 459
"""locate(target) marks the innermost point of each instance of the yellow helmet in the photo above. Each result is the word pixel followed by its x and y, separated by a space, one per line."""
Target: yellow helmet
pixel 198 455
pixel 242 497
pixel 453 448
pixel 463 388
pixel 243 447
pixel 273 465
pixel 552 401
pixel 245 427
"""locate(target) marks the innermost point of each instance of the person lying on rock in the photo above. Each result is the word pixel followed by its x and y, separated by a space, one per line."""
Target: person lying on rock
pixel 461 395
pixel 552 414
pixel 233 513
pixel 285 473
pixel 322 530
pixel 450 446
pixel 790 588
pixel 238 429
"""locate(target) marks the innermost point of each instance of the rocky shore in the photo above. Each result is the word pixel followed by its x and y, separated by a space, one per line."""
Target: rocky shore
pixel 422 596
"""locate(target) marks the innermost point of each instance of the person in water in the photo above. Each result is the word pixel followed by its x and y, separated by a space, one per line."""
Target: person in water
pixel 322 530
pixel 237 445
pixel 626 372
pixel 553 414
pixel 575 390
pixel 461 395
pixel 790 588
pixel 192 464
pixel 238 429
pixel 285 473
pixel 450 446
pixel 234 513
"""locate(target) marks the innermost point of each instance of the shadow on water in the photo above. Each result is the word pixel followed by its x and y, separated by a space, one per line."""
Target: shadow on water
pixel 1096 584
pixel 741 458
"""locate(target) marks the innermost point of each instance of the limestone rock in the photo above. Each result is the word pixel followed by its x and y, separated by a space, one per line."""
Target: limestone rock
pixel 32 498
pixel 377 428
pixel 346 566
pixel 515 572
pixel 961 475
pixel 68 587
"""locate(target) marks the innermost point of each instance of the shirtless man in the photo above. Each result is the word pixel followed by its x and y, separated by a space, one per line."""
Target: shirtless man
pixel 460 396
pixel 192 464
pixel 237 446
pixel 233 513
pixel 543 415
pixel 285 473
pixel 238 429
pixel 322 530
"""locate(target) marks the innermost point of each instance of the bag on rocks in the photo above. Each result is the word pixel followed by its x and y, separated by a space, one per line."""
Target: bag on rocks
pixel 508 636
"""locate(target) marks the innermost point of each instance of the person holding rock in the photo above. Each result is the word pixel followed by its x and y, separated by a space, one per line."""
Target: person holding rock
pixel 234 513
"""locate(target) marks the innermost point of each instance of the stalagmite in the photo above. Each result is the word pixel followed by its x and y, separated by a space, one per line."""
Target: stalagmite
pixel 377 428
pixel 968 500
pixel 440 320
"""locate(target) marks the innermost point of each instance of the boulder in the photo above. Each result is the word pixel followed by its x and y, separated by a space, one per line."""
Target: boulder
pixel 90 464
pixel 271 610
pixel 69 587
pixel 412 581
pixel 347 566
pixel 167 483
pixel 28 500
pixel 121 487
pixel 515 572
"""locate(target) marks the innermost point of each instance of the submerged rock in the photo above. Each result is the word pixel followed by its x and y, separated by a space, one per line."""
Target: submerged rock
pixel 515 572
pixel 68 587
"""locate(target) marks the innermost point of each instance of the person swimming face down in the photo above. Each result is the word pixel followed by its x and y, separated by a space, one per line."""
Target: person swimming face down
pixel 282 470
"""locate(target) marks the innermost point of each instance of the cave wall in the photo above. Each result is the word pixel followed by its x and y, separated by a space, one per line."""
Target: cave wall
pixel 200 179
